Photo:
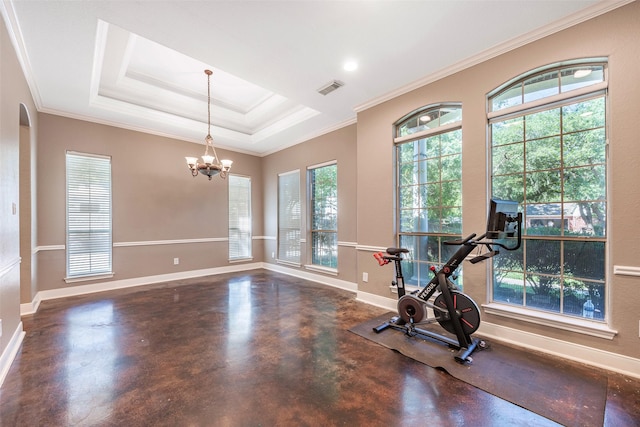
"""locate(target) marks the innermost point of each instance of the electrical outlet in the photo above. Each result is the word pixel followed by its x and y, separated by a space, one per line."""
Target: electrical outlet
pixel 176 261
pixel 273 254
pixel 365 277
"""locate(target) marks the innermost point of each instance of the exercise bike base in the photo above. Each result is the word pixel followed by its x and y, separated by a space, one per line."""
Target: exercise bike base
pixel 464 353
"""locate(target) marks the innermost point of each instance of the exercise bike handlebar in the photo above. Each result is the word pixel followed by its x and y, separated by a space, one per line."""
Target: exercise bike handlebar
pixel 460 241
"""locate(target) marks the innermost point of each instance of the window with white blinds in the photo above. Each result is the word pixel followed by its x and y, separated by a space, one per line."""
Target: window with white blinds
pixel 239 217
pixel 289 217
pixel 89 235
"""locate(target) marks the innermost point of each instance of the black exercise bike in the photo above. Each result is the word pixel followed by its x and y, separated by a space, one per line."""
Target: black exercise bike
pixel 457 313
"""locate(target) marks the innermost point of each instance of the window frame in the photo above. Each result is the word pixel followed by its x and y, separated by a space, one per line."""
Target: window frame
pixel 289 249
pixel 97 167
pixel 595 91
pixel 416 262
pixel 312 232
pixel 245 239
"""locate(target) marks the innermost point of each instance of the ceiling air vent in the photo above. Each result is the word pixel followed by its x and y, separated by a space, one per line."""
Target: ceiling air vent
pixel 330 87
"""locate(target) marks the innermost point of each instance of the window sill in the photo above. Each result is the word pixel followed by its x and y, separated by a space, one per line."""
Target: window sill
pixel 240 259
pixel 288 263
pixel 580 326
pixel 87 278
pixel 319 269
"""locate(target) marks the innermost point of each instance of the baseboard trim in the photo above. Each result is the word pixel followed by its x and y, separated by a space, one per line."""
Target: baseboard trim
pixel 9 354
pixel 390 304
pixel 318 278
pixel 576 352
pixel 31 308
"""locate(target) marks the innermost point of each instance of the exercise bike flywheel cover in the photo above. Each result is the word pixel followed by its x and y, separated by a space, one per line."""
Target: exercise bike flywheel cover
pixel 411 308
pixel 467 309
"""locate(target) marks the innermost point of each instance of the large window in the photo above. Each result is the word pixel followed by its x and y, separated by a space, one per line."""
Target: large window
pixel 323 209
pixel 429 187
pixel 548 151
pixel 289 217
pixel 239 217
pixel 89 239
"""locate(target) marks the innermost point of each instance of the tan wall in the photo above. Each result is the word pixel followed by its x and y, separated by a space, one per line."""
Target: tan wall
pixel 155 199
pixel 339 145
pixel 615 35
pixel 13 92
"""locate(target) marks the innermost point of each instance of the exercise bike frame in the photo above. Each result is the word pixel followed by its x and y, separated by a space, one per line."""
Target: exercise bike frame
pixel 442 282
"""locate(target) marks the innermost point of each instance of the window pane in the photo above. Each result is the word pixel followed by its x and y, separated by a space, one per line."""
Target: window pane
pixel 542 124
pixel 542 256
pixel 508 187
pixel 584 260
pixel 543 154
pixel 543 292
pixel 451 168
pixel 431 147
pixel 507 131
pixel 543 187
pixel 431 118
pixel 508 159
pixel 507 98
pixel 583 115
pixel 581 76
pixel 587 183
pixel 508 286
pixel 584 148
pixel 541 86
pixel 544 219
pixel 583 298
pixel 451 142
pixel 324 249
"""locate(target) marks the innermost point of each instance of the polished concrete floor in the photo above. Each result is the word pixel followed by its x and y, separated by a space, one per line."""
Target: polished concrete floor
pixel 249 349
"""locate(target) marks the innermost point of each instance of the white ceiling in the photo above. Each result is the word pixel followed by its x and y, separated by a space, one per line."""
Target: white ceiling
pixel 140 64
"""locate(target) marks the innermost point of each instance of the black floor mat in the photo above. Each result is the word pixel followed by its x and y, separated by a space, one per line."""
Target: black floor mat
pixel 568 393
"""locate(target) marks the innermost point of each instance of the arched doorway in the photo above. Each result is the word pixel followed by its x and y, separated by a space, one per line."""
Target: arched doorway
pixel 26 208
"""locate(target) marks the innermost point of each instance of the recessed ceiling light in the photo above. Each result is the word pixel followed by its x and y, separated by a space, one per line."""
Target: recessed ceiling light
pixel 350 65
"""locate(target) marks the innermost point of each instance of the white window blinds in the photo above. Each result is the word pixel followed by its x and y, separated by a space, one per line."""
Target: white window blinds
pixel 289 217
pixel 239 217
pixel 89 236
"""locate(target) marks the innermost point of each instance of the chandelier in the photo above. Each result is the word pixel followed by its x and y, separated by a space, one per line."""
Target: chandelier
pixel 210 164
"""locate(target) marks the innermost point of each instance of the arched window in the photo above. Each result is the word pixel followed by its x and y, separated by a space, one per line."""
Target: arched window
pixel 428 151
pixel 548 151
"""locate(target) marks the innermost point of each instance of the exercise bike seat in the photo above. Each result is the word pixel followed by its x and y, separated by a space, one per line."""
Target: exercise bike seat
pixel 397 251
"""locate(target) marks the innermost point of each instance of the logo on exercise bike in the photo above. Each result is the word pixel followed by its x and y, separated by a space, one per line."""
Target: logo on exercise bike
pixel 428 290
